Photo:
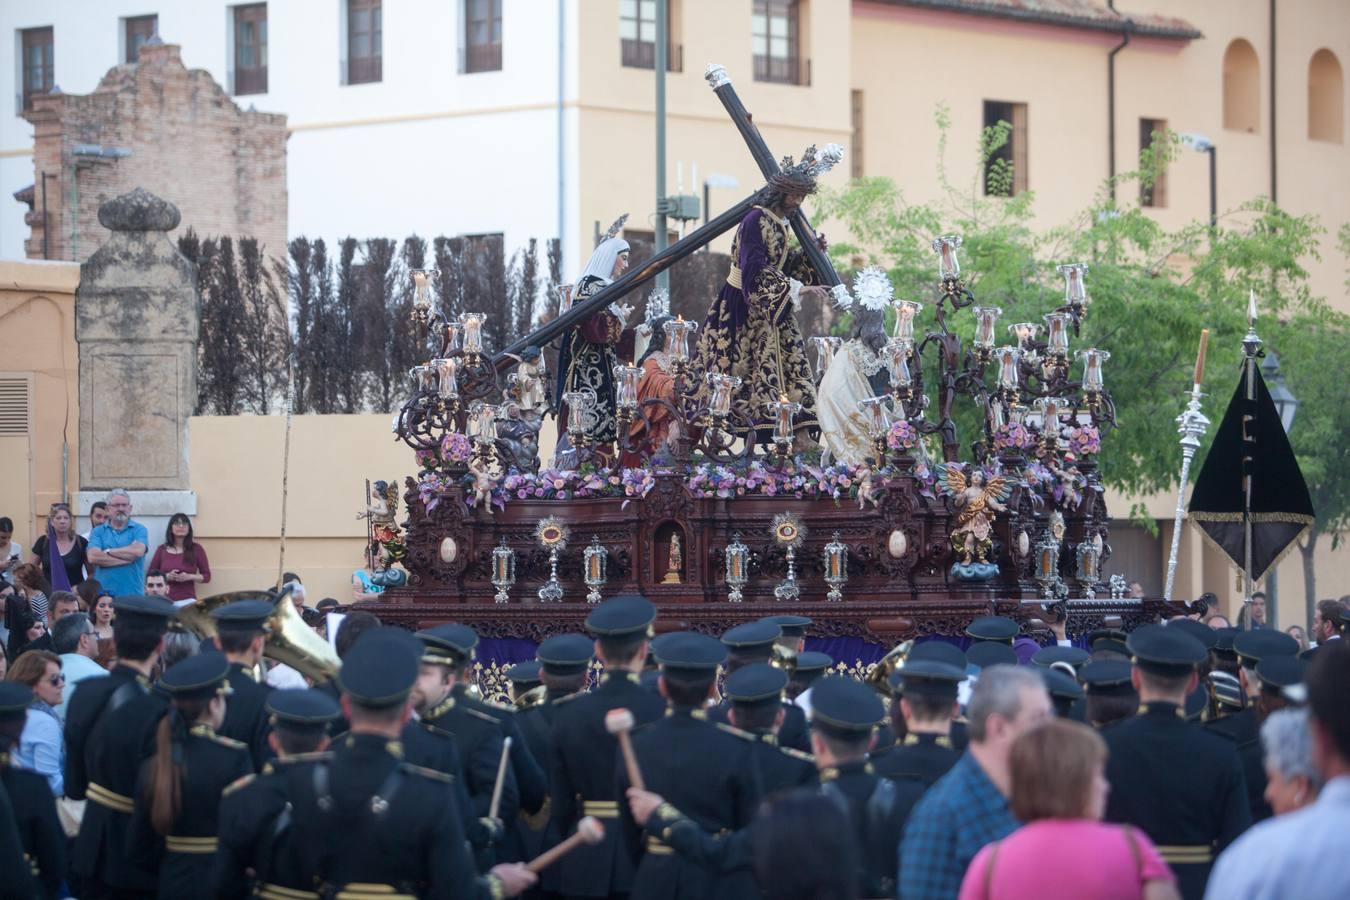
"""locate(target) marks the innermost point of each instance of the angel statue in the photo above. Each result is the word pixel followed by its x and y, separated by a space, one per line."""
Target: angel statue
pixel 976 501
pixel 384 531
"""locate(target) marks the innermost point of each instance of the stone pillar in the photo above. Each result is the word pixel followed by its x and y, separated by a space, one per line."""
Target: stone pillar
pixel 136 323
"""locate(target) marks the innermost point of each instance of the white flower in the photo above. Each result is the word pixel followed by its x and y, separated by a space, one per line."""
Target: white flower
pixel 873 289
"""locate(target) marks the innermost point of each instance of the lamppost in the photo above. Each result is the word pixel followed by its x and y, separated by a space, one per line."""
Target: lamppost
pixel 1202 144
pixel 1286 404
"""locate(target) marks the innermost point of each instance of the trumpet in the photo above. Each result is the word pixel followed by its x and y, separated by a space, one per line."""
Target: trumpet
pixel 879 679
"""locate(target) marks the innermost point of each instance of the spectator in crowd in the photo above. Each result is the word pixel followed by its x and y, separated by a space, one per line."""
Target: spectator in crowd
pixel 63 604
pixel 88 591
pixel 178 646
pixel 41 746
pixel 1297 633
pixel 1292 781
pixel 1253 615
pixel 1217 621
pixel 70 547
pixel 801 849
pixel 297 595
pixel 968 807
pixel 11 551
pixel 101 615
pixel 156 584
pixel 1059 788
pixel 4 663
pixel 117 548
pixel 76 641
pixel 181 559
pixel 1299 854
pixel 26 611
pixel 98 514
pixel 1136 590
pixel 1328 621
pixel 363 588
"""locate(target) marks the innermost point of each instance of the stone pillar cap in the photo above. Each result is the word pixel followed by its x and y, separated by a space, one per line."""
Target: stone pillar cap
pixel 139 210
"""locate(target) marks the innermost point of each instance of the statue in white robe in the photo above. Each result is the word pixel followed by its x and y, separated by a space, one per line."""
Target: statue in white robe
pixel 857 371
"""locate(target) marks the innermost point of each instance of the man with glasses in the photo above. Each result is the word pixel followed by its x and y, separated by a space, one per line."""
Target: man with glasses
pixel 117 548
pixel 74 638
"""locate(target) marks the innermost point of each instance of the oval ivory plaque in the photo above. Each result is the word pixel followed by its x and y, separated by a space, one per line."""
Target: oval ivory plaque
pixel 449 550
pixel 898 544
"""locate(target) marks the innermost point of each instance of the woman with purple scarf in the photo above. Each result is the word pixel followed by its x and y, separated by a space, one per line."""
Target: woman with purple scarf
pixel 61 551
pixel 751 329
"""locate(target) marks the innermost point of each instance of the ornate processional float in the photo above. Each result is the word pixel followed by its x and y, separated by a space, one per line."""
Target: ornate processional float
pixel 715 503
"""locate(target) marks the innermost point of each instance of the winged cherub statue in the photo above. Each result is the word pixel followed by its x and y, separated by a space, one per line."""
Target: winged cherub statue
pixel 976 500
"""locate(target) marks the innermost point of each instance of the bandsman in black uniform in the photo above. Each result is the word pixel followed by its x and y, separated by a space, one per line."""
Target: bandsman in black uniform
pixel 173 828
pixel 368 824
pixel 843 720
pixel 524 686
pixel 255 819
pixel 1110 691
pixel 754 642
pixel 924 701
pixel 241 632
pixel 562 664
pixel 792 636
pixel 39 828
pixel 582 771
pixel 1244 726
pixel 110 729
pixel 531 783
pixel 811 667
pixel 704 771
pixel 1178 782
pixel 1198 700
pixel 1108 643
pixel 755 695
pixel 1066 694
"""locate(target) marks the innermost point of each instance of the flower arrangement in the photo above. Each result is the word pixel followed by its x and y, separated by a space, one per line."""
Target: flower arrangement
pixel 902 436
pixel 455 447
pixel 1013 436
pixel 1085 440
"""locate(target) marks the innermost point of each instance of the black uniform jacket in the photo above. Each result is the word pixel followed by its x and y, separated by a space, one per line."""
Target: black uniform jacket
pixel 185 856
pixel 110 728
pixel 44 843
pixel 581 775
pixel 1179 784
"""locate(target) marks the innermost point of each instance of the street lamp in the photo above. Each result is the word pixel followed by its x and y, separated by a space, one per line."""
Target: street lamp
pixel 716 181
pixel 1286 405
pixel 1202 144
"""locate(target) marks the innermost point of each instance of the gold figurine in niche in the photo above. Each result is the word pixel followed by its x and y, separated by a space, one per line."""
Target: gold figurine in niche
pixel 674 562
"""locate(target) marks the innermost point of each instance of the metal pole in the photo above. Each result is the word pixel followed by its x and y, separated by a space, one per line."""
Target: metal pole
pixel 706 192
pixel 1214 190
pixel 1191 425
pixel 562 172
pixel 662 35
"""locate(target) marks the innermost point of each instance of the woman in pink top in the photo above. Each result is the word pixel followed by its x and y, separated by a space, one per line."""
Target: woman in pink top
pixel 1059 788
pixel 181 559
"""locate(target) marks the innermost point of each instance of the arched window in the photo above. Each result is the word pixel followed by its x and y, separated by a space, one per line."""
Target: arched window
pixel 1326 98
pixel 1241 88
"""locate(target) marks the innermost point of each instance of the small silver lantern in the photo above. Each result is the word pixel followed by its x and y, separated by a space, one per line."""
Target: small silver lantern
pixel 1089 559
pixel 738 568
pixel 836 568
pixel 596 559
pixel 503 570
pixel 1047 564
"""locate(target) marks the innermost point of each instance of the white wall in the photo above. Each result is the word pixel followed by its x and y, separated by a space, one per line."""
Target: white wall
pixel 426 150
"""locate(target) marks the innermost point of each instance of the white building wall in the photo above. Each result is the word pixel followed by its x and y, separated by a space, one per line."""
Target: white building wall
pixel 428 150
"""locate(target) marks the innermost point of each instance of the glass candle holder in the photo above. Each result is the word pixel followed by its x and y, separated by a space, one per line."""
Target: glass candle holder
pixel 985 317
pixel 945 247
pixel 677 338
pixel 825 348
pixel 906 311
pixel 595 558
pixel 723 387
pixel 875 410
pixel 454 336
pixel 897 362
pixel 1017 414
pixel 1007 359
pixel 579 405
pixel 503 570
pixel 484 422
pixel 1057 334
pixel 447 374
pixel 996 415
pixel 782 411
pixel 836 567
pixel 1092 369
pixel 626 386
pixel 1024 333
pixel 1075 287
pixel 564 297
pixel 738 571
pixel 473 332
pixel 1052 411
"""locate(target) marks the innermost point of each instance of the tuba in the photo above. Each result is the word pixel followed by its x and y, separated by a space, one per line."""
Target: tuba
pixel 784 658
pixel 289 639
pixel 535 696
pixel 879 678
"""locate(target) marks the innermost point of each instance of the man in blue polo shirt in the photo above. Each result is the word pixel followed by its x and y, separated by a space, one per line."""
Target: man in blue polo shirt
pixel 117 548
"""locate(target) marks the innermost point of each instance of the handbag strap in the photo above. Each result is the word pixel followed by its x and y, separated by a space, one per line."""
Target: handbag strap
pixel 989 870
pixel 1134 851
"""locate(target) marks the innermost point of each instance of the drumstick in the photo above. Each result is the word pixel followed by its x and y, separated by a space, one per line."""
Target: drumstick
pixel 619 722
pixel 589 831
pixel 501 779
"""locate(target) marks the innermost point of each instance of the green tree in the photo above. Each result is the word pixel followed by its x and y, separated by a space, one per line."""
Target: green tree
pixel 1152 291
